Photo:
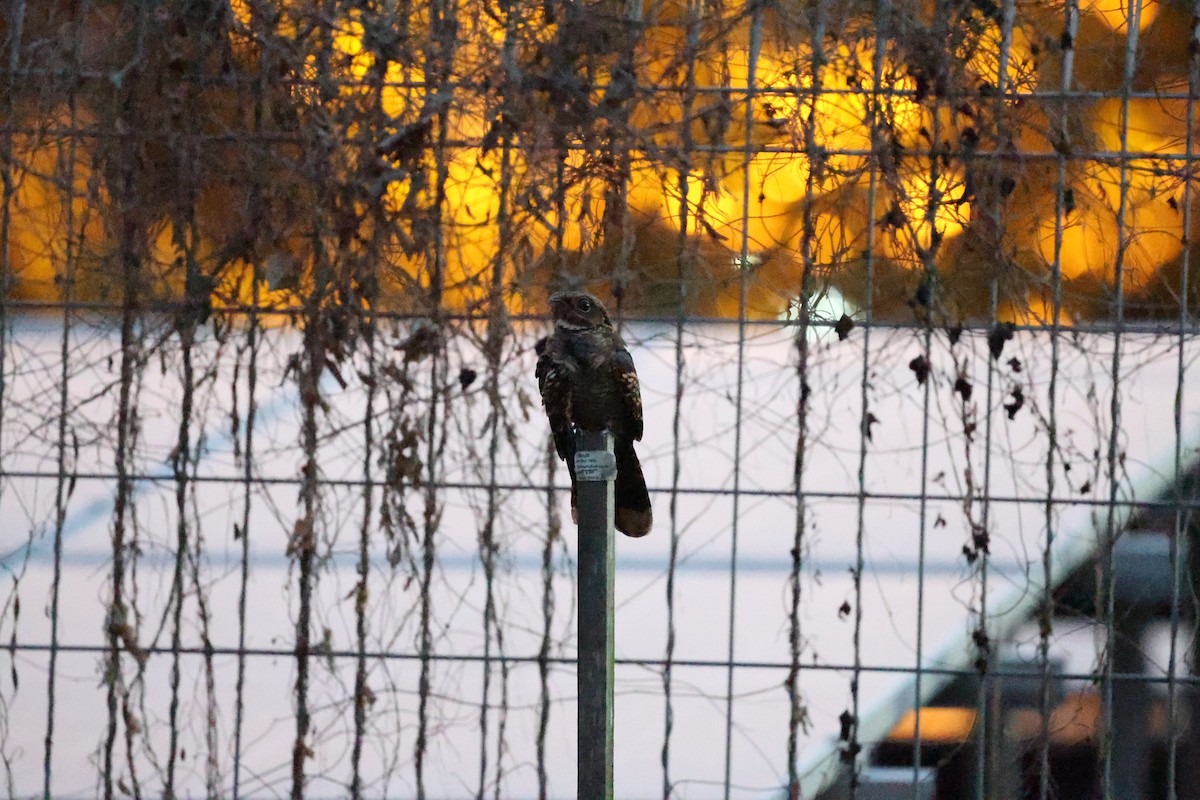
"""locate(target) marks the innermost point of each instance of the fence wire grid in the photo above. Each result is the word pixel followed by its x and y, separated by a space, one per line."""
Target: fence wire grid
pixel 907 284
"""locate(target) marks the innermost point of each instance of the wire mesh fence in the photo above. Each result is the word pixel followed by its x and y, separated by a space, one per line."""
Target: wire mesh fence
pixel 908 289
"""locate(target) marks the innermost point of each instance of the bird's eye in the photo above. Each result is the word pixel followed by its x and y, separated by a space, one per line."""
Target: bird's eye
pixel 584 305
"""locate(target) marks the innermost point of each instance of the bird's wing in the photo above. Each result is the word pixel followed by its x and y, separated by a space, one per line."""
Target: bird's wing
pixel 554 383
pixel 629 389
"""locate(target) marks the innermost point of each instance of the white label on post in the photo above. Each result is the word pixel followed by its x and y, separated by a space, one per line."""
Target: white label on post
pixel 595 465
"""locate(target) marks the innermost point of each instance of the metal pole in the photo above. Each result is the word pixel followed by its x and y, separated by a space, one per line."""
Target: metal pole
pixel 595 469
pixel 1131 699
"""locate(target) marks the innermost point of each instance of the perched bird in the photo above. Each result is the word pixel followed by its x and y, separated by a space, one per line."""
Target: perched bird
pixel 588 382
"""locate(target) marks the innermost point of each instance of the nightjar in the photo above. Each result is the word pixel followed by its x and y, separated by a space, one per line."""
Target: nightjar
pixel 588 382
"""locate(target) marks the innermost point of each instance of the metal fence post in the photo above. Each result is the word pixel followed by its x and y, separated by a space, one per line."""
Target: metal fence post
pixel 595 469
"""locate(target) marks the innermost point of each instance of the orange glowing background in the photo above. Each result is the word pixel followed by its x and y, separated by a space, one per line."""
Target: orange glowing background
pixel 938 724
pixel 781 169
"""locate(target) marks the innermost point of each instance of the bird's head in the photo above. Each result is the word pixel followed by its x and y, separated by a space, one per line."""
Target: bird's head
pixel 577 311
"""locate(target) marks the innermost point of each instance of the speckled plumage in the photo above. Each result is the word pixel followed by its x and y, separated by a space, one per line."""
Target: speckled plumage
pixel 587 381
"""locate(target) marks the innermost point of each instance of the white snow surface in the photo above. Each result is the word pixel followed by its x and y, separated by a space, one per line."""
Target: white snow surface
pixel 923 483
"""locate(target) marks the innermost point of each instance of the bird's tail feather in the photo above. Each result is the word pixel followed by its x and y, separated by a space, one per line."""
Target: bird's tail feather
pixel 634 515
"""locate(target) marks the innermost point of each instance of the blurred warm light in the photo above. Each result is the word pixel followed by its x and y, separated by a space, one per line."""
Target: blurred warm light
pixel 1034 310
pixel 812 114
pixel 1155 126
pixel 401 90
pixel 1020 73
pixel 938 725
pixel 1075 720
pixel 927 206
pixel 1090 243
pixel 1116 13
pixel 241 11
pixel 347 40
pixel 50 229
pixel 36 252
pixel 237 290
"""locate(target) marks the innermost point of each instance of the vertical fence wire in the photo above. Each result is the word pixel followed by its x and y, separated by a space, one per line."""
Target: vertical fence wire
pixel 743 266
pixel 248 355
pixel 179 467
pixel 16 22
pixel 850 725
pixel 985 727
pixel 817 20
pixel 362 593
pixel 1183 520
pixel 926 232
pixel 1045 614
pixel 121 624
pixel 439 60
pixel 553 519
pixel 61 493
pixel 685 261
pixel 1106 595
pixel 553 532
pixel 497 334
